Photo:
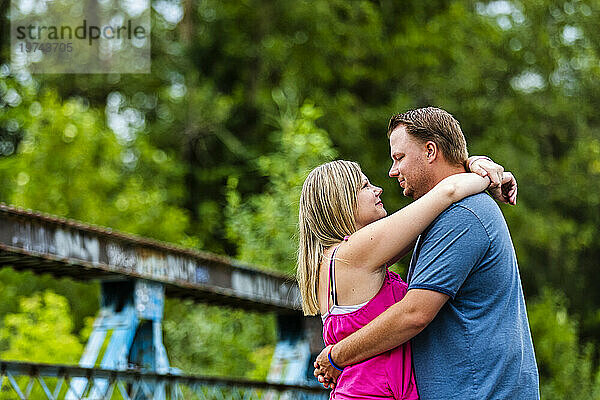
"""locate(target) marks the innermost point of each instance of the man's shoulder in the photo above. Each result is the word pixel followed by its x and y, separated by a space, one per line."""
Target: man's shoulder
pixel 479 206
pixel 476 202
pixel 472 207
pixel 475 212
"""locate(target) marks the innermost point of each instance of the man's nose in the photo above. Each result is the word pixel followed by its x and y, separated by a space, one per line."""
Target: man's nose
pixel 393 171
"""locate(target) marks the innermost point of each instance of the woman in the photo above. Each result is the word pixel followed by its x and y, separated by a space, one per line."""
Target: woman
pixel 346 243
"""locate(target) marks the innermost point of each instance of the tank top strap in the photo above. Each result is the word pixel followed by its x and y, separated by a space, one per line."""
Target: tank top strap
pixel 332 289
pixel 331 276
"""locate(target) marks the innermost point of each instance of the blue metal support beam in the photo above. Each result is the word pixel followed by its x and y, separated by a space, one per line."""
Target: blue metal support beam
pixel 127 335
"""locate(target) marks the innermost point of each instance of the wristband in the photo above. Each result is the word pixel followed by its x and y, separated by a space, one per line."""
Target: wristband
pixel 341 369
pixel 477 158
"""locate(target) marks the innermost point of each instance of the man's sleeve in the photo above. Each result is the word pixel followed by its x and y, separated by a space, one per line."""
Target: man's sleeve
pixel 454 245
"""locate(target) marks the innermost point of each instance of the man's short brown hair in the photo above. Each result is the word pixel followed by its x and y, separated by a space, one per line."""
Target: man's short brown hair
pixel 437 125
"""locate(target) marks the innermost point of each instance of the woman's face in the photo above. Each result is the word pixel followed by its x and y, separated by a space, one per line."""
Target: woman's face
pixel 369 205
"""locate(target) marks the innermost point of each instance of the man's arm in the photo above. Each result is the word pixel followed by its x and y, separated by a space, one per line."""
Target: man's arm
pixel 396 325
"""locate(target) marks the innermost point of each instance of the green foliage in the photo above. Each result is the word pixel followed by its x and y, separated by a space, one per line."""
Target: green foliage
pixel 215 341
pixel 264 225
pixel 41 331
pixel 69 163
pixel 566 368
pixel 83 297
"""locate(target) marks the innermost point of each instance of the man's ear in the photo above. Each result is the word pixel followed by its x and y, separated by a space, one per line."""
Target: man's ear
pixel 432 151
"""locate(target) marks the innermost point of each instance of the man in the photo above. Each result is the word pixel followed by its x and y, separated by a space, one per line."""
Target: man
pixel 465 305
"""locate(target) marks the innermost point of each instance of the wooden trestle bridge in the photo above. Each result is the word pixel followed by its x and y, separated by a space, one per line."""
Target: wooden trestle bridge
pixel 125 357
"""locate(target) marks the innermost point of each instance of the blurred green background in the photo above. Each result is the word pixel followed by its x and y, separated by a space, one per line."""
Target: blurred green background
pixel 210 150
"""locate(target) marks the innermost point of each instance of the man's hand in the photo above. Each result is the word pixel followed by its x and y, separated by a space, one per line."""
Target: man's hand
pixel 324 371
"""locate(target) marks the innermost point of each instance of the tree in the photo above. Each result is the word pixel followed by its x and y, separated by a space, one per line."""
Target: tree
pixel 41 331
pixel 209 340
pixel 264 225
pixel 71 164
pixel 566 368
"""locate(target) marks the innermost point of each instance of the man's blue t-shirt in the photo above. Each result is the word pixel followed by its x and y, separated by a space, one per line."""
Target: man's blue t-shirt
pixel 479 345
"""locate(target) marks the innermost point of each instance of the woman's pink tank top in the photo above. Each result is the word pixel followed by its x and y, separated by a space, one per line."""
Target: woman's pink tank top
pixel 386 376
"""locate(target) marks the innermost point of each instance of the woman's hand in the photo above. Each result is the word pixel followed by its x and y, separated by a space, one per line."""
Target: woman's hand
pixel 484 166
pixel 503 186
pixel 507 191
pixel 325 373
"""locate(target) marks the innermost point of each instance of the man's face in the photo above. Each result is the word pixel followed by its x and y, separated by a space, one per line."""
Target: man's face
pixel 409 163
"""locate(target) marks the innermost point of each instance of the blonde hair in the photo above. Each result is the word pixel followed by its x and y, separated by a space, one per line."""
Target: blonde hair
pixel 327 205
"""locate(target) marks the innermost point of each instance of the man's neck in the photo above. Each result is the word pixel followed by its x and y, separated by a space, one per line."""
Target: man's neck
pixel 444 171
